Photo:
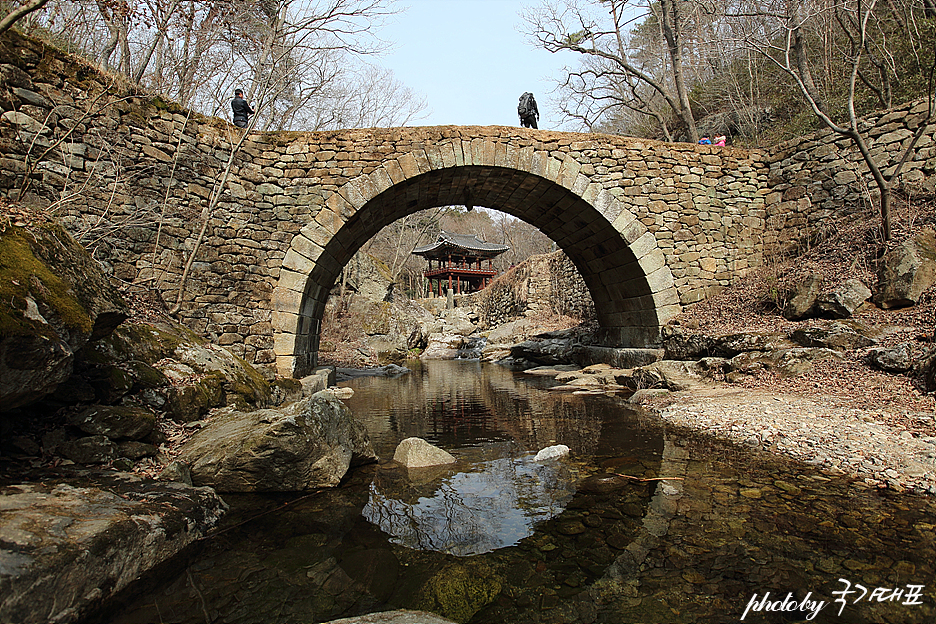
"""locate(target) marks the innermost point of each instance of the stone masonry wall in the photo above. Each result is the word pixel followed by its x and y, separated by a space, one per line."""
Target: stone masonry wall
pixel 547 283
pixel 823 175
pixel 556 287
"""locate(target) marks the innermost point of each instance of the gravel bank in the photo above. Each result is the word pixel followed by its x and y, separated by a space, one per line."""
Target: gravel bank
pixel 839 440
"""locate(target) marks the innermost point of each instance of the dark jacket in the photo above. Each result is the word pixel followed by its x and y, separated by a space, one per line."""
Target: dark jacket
pixel 241 109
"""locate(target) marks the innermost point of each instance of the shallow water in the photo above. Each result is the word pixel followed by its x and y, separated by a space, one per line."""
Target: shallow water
pixel 696 531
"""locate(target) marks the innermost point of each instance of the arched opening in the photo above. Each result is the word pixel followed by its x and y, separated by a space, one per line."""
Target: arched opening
pixel 624 270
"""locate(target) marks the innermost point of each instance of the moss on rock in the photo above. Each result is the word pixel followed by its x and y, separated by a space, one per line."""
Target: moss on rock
pixel 460 590
pixel 26 280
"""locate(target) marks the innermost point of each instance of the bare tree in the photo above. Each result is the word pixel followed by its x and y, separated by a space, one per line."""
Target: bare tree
pixel 313 54
pixel 636 81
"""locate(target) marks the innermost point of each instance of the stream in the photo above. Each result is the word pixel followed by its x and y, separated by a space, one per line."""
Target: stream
pixel 641 523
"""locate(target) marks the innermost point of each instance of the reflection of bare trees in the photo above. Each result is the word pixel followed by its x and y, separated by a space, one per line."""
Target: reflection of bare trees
pixel 495 419
pixel 490 505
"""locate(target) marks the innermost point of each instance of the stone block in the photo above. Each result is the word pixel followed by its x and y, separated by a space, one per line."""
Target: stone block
pixel 408 166
pixel 660 280
pixel 525 159
pixel 632 231
pixel 357 192
pixel 538 163
pixel 284 344
pixel 643 245
pixel 283 321
pixel 286 300
pixel 489 153
pixel 422 162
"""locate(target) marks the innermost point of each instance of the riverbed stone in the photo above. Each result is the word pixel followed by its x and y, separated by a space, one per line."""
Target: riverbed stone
pixel 617 357
pixel 552 452
pixel 417 453
pixel 835 335
pixel 842 301
pixel 443 346
pixel 907 271
pixel 71 541
pixel 402 616
pixel 134 449
pixel 787 362
pixel 730 345
pixel 306 445
pixel 683 346
pixel 550 352
pixel 459 590
pixel 666 374
pixel 804 295
pixel 897 359
pixel 115 421
pixel 97 449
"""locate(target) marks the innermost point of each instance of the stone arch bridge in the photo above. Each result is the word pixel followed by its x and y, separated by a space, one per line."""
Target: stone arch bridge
pixel 649 226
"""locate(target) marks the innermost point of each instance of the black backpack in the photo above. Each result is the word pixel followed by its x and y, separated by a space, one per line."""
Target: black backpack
pixel 525 107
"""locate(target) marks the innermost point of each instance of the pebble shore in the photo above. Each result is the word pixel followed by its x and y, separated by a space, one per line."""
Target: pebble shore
pixel 837 440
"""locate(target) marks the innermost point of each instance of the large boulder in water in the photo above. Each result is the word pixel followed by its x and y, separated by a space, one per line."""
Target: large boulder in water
pixel 306 445
pixel 417 453
pixel 54 300
pixel 443 347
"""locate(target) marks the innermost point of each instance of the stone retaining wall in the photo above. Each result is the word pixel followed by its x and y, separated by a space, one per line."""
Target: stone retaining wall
pixel 823 175
pixel 547 283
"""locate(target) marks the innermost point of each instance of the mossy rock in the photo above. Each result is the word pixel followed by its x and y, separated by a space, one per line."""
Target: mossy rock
pixel 27 280
pixel 146 376
pixel 115 421
pixel 167 105
pixel 147 344
pixel 284 389
pixel 54 300
pixel 459 590
pixel 192 401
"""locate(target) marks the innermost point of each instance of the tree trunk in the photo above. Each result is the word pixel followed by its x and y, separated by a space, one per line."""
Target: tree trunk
pixel 24 10
pixel 671 32
pixel 157 39
pixel 798 48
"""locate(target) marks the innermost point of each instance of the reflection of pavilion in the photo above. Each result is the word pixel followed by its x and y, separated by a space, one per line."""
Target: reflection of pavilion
pixel 458 261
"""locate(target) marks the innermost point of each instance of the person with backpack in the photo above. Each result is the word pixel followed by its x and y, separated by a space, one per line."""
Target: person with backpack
pixel 527 111
pixel 241 109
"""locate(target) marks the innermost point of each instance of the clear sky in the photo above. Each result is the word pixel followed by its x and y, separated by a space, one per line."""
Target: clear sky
pixel 470 61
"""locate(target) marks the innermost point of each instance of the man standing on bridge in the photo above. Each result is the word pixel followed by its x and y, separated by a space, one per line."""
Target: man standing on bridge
pixel 527 111
pixel 241 108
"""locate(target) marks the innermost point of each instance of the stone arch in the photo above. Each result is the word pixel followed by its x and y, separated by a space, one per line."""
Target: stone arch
pixel 618 258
